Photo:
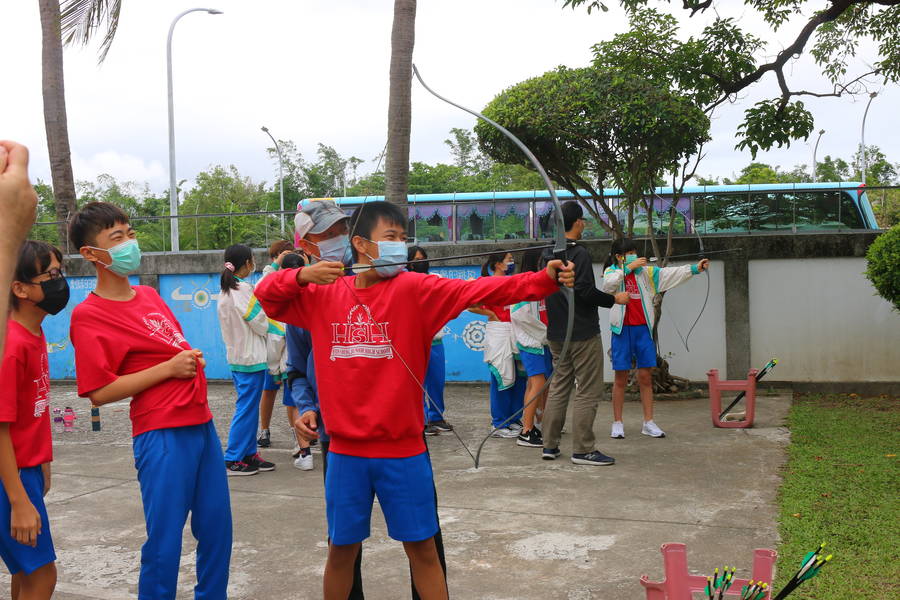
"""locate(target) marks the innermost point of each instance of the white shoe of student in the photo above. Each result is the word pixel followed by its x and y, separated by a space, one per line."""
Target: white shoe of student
pixel 505 432
pixel 652 430
pixel 618 430
pixel 304 463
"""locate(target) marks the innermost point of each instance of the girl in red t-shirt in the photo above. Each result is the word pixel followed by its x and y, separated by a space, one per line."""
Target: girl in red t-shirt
pixel 39 288
pixel 507 391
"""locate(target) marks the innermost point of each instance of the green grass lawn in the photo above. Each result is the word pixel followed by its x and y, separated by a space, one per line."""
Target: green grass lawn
pixel 841 487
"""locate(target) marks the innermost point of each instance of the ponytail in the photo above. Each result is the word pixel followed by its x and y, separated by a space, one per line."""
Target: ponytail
pixel 492 260
pixel 236 256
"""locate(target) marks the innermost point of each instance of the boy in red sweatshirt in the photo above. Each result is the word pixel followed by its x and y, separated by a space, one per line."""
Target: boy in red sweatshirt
pixel 371 337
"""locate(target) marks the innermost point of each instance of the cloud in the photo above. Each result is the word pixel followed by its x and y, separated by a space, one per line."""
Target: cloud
pixel 123 167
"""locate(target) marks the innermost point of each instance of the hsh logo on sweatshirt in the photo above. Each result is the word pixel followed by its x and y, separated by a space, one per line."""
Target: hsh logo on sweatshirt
pixel 360 337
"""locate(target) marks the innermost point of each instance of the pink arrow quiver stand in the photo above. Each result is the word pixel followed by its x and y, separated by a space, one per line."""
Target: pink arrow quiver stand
pixel 679 585
pixel 717 386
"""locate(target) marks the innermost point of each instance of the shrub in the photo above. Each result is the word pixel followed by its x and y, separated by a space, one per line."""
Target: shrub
pixel 883 269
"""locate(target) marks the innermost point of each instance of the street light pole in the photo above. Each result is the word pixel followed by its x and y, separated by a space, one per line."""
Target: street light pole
pixel 815 148
pixel 280 175
pixel 173 190
pixel 862 137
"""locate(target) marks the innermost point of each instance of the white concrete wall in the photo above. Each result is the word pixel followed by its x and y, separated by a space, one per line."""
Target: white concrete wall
pixel 681 307
pixel 822 319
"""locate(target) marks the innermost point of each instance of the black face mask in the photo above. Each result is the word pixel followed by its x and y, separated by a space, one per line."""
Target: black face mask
pixel 419 267
pixel 56 295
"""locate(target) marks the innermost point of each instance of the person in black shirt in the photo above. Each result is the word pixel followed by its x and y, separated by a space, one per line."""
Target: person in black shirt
pixel 583 362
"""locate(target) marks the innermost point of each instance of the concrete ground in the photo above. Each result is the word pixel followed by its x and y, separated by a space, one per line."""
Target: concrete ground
pixel 518 528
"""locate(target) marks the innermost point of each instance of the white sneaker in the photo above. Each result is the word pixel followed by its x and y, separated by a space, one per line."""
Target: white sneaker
pixel 505 432
pixel 652 430
pixel 515 427
pixel 304 463
pixel 618 430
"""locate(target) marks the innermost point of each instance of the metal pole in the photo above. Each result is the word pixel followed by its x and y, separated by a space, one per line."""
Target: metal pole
pixel 815 148
pixel 173 190
pixel 280 177
pixel 862 137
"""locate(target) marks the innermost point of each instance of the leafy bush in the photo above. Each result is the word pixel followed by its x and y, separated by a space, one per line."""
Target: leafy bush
pixel 884 265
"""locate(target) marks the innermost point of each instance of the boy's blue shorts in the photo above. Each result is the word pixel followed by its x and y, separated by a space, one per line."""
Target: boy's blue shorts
pixel 287 398
pixel 19 557
pixel 634 342
pixel 537 364
pixel 270 383
pixel 405 490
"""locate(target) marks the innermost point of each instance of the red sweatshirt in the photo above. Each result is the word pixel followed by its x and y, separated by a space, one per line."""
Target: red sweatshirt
pixel 368 398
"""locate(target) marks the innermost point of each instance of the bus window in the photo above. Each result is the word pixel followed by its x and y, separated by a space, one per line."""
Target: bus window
pixel 849 212
pixel 474 222
pixel 765 213
pixel 824 210
pixel 511 219
pixel 544 220
pixel 722 213
pixel 430 222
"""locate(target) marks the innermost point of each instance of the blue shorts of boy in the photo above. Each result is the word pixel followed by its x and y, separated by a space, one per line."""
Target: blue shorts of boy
pixel 287 398
pixel 405 490
pixel 20 558
pixel 537 364
pixel 635 343
pixel 271 383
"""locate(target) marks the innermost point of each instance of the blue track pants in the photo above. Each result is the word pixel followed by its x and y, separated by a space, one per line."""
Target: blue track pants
pixel 434 384
pixel 242 433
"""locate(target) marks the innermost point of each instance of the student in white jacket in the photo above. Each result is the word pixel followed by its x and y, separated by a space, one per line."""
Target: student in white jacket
pixel 632 324
pixel 529 326
pixel 244 327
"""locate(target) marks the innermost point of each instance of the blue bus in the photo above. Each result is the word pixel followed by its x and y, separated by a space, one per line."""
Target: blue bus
pixel 719 209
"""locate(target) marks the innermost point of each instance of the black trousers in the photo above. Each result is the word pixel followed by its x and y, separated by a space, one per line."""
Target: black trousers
pixel 356 592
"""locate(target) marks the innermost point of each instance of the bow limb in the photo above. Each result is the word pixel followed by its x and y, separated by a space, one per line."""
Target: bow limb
pixel 559 249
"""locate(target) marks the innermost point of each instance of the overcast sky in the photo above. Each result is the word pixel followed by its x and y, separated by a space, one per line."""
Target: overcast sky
pixel 317 71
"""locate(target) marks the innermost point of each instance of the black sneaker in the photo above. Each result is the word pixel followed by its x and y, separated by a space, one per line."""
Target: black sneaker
pixel 257 461
pixel 442 425
pixel 532 439
pixel 264 439
pixel 594 457
pixel 430 429
pixel 550 453
pixel 237 468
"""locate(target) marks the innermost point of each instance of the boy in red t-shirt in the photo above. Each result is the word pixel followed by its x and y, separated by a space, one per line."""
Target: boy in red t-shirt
pixel 26 546
pixel 128 344
pixel 371 337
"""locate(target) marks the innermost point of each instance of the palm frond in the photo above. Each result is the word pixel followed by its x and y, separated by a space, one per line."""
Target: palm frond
pixel 80 20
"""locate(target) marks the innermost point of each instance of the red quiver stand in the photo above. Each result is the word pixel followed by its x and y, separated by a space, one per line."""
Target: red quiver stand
pixel 716 386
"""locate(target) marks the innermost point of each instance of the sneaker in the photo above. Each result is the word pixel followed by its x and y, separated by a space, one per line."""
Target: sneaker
pixel 652 430
pixel 618 431
pixel 264 439
pixel 532 439
pixel 261 464
pixel 515 426
pixel 504 432
pixel 441 425
pixel 304 463
pixel 430 429
pixel 234 468
pixel 550 453
pixel 594 457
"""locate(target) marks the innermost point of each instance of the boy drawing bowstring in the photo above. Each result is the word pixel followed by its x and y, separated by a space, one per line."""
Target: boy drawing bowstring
pixel 370 333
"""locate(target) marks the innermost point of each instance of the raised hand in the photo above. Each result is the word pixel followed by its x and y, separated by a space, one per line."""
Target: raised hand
pixel 321 273
pixel 562 273
pixel 703 265
pixel 18 200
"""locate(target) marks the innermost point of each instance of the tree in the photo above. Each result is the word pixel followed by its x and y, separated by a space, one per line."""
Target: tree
pixel 731 59
pixel 55 121
pixel 403 36
pixel 883 256
pixel 832 169
pixel 587 125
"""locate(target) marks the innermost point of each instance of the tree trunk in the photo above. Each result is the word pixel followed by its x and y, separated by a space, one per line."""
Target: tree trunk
pixel 55 118
pixel 403 35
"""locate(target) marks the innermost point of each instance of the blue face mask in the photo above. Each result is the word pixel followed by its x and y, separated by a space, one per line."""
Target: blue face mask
pixel 335 249
pixel 126 257
pixel 630 258
pixel 389 253
pixel 510 268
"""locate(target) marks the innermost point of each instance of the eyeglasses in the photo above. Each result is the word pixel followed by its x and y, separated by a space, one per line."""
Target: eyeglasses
pixel 53 274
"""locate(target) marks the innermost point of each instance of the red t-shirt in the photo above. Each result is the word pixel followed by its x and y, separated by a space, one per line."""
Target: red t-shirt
pixel 501 310
pixel 634 310
pixel 368 398
pixel 113 338
pixel 25 395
